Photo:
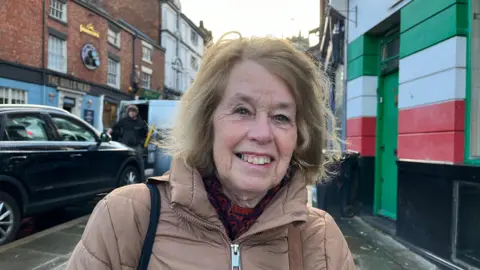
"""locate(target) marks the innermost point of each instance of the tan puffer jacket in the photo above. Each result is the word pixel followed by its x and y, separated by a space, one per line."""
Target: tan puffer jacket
pixel 191 236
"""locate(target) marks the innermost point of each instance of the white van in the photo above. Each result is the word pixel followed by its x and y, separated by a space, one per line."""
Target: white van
pixel 159 114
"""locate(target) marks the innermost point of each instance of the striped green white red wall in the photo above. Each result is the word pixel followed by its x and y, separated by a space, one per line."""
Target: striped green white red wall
pixel 432 80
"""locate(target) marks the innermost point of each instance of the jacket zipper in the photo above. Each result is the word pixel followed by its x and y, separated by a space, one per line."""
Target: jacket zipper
pixel 234 248
pixel 235 257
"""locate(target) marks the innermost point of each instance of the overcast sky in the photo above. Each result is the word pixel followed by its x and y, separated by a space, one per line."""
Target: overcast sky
pixel 254 17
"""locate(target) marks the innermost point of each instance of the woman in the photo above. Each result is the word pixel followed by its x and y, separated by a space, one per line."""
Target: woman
pixel 248 139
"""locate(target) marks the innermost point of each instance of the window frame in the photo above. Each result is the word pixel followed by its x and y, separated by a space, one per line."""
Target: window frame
pixel 149 72
pixel 9 95
pixel 118 75
pixel 194 37
pixel 148 47
pixel 64 10
pixel 75 121
pixel 468 158
pixel 194 60
pixel 65 49
pixel 117 37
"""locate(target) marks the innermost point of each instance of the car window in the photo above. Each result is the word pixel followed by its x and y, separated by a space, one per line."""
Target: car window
pixel 25 128
pixel 71 130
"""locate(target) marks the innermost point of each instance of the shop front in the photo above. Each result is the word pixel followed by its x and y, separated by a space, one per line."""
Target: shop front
pixel 75 97
pixel 413 85
pixel 109 101
pixel 23 85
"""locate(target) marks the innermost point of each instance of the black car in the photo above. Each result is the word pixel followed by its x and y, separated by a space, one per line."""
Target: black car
pixel 50 158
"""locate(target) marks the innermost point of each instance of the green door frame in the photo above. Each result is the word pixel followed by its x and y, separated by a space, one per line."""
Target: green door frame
pixel 380 124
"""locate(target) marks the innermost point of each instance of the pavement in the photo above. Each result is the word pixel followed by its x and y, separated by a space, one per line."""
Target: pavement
pixel 50 249
pixel 374 250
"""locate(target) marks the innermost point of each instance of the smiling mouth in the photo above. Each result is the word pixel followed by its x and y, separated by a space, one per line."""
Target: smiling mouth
pixel 254 159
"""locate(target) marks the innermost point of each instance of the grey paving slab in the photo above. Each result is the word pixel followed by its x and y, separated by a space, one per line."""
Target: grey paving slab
pixel 55 243
pixel 77 229
pixel 20 259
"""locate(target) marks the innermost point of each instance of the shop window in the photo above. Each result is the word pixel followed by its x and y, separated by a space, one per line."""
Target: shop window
pixel 70 130
pixel 109 114
pixel 58 9
pixel 13 96
pixel 114 37
pixel 57 54
pixel 113 77
pixel 25 128
pixel 473 99
pixel 147 50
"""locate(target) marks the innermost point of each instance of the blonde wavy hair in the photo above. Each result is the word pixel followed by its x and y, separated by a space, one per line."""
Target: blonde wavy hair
pixel 191 138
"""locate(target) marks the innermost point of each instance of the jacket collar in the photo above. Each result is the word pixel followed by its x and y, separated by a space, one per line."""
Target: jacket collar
pixel 187 191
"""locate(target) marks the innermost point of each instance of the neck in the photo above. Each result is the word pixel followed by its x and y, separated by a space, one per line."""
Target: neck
pixel 244 200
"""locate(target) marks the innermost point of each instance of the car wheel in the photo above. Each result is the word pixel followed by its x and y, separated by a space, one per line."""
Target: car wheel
pixel 129 176
pixel 10 218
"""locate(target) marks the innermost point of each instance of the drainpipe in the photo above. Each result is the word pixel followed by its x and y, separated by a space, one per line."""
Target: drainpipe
pixel 134 60
pixel 322 20
pixel 177 49
pixel 44 89
pixel 345 76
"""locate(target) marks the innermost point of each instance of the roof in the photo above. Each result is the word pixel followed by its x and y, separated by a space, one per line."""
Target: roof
pixel 30 107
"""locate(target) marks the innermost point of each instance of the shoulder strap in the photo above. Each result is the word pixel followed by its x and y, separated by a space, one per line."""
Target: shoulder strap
pixel 155 205
pixel 295 252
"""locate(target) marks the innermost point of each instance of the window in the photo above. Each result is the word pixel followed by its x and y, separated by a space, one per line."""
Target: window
pixel 113 77
pixel 57 54
pixel 194 62
pixel 70 130
pixel 194 37
pixel 13 96
pixel 146 80
pixel 58 9
pixel 146 77
pixel 473 94
pixel 25 128
pixel 114 37
pixel 147 50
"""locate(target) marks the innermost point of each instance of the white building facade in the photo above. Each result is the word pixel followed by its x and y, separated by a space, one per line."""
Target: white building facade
pixel 184 44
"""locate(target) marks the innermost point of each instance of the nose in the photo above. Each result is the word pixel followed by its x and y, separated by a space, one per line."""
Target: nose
pixel 261 130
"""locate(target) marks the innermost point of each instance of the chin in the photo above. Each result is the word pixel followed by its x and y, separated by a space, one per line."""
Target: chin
pixel 253 184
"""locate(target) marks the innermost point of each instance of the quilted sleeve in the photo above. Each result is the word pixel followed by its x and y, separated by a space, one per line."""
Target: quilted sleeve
pixel 324 246
pixel 97 250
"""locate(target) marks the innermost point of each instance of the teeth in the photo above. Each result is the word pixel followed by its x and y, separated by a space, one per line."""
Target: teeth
pixel 255 159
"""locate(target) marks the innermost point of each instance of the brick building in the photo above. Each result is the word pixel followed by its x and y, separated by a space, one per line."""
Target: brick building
pixel 79 56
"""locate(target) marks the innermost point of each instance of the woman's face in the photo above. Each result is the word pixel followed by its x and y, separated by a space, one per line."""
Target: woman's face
pixel 255 133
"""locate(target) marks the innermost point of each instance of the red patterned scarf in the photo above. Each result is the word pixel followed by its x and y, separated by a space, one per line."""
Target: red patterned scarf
pixel 237 220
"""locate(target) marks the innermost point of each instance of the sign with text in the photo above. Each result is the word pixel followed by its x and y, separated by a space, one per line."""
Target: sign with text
pixel 89 29
pixel 67 83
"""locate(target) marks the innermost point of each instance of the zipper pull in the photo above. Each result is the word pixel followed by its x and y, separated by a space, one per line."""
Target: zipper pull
pixel 235 256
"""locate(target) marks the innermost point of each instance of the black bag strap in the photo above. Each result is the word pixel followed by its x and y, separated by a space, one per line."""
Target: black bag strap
pixel 155 205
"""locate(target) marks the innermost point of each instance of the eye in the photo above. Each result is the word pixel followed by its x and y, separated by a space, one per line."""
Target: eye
pixel 241 111
pixel 282 118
